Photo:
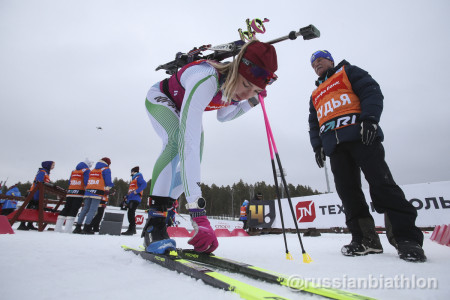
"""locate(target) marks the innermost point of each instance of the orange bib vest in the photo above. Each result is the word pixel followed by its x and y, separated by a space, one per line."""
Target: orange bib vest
pixel 96 183
pixel 336 104
pixel 134 186
pixel 243 211
pixel 46 179
pixel 76 185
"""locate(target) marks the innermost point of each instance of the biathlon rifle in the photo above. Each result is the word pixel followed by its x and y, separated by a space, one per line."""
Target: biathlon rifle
pixel 224 51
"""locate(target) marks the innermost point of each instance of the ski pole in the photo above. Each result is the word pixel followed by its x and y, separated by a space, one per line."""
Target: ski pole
pixel 288 255
pixel 306 257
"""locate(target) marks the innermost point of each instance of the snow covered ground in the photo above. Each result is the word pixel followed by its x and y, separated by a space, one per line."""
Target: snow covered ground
pixel 50 265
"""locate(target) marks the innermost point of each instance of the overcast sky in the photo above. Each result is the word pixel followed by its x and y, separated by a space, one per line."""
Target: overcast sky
pixel 67 67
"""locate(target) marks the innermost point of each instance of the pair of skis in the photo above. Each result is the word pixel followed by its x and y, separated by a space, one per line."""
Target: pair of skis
pixel 198 266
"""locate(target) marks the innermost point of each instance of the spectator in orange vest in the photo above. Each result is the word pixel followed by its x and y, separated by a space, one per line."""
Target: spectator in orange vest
pixel 75 193
pixel 134 197
pixel 243 213
pixel 99 184
pixel 43 175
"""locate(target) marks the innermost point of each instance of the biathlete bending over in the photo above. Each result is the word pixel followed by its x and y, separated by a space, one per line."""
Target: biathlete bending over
pixel 175 107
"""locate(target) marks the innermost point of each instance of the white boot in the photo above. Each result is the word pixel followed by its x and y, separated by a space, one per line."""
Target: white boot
pixel 69 223
pixel 59 223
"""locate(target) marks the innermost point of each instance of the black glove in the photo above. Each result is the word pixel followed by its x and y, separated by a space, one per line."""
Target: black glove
pixel 253 101
pixel 368 132
pixel 320 157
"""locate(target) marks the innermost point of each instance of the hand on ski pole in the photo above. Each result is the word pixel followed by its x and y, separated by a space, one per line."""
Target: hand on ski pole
pixel 254 100
pixel 204 239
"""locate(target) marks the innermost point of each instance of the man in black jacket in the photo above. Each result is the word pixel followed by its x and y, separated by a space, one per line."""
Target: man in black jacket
pixel 344 112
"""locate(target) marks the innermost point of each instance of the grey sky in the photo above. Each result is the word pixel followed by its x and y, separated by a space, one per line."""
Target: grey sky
pixel 70 66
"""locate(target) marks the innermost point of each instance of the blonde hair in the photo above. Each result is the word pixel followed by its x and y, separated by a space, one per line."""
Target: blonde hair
pixel 231 71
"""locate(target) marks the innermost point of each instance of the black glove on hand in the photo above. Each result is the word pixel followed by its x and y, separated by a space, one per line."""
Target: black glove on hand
pixel 320 157
pixel 368 132
pixel 253 101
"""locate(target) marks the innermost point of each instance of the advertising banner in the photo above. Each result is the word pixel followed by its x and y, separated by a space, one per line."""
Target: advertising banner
pixel 261 214
pixel 432 201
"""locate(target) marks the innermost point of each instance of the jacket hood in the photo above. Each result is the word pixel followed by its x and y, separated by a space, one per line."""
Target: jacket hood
pixel 135 175
pixel 47 165
pixel 100 164
pixel 82 165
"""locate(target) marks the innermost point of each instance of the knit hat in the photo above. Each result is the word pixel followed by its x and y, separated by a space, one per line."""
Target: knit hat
pixel 135 170
pixel 259 64
pixel 106 160
pixel 321 53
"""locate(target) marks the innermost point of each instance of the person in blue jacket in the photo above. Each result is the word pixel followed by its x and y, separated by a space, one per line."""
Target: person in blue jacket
pixel 75 193
pixel 243 212
pixel 134 197
pixel 10 205
pixel 1 192
pixel 43 175
pixel 99 184
pixel 344 116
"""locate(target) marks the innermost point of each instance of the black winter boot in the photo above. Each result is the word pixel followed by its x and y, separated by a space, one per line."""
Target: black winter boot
pixel 87 229
pixel 130 231
pixel 155 230
pixel 23 226
pixel 368 244
pixel 411 251
pixel 362 248
pixel 96 228
pixel 30 226
pixel 77 229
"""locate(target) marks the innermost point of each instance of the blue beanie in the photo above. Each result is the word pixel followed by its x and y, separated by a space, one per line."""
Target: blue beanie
pixel 321 53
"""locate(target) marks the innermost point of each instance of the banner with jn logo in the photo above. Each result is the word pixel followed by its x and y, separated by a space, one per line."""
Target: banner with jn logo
pixel 305 211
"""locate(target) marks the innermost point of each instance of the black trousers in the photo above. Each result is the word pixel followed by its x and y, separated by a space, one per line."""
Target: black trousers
pixel 132 206
pixel 347 162
pixel 72 206
pixel 98 217
pixel 7 211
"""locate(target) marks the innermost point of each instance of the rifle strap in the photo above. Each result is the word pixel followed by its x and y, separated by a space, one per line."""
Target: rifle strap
pixel 165 87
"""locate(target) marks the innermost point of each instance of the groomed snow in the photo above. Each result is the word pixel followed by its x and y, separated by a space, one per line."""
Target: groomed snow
pixel 50 265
